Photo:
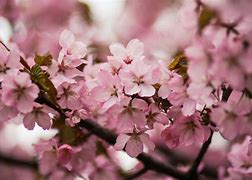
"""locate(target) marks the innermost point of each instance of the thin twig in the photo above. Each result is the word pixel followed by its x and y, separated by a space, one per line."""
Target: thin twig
pixel 192 173
pixel 7 160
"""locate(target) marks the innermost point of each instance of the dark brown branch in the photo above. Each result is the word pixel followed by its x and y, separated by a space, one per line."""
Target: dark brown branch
pixel 192 173
pixel 18 162
pixel 137 174
pixel 176 158
pixel 226 93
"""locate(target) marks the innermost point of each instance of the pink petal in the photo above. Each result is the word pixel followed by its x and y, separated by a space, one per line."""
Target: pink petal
pixel 135 48
pixel 43 120
pixel 100 94
pixel 29 121
pixel 121 140
pixel 24 105
pixel 145 138
pixel 146 90
pixel 117 50
pixel 134 146
pixel 78 50
pixel 131 89
pixel 189 107
pixel 64 154
pixel 164 91
pixel 66 39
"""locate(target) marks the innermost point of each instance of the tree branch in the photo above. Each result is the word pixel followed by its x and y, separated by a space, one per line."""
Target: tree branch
pixel 7 160
pixel 192 173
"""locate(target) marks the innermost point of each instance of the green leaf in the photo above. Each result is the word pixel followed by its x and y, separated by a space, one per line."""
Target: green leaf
pixel 205 17
pixel 179 64
pixel 41 78
pixel 44 60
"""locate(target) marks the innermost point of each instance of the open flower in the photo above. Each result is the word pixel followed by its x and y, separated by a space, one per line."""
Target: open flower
pixel 134 143
pixel 133 52
pixel 19 92
pixel 138 79
pixel 39 116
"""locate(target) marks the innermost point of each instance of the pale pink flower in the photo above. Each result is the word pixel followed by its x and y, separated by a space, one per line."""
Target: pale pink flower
pixel 19 92
pixel 48 162
pixel 69 96
pixel 230 117
pixel 39 116
pixel 138 79
pixel 72 50
pixel 132 114
pixel 154 114
pixel 8 59
pixel 134 143
pixel 241 162
pixel 171 137
pixel 75 116
pixel 64 154
pixel 109 89
pixel 133 52
pixel 7 112
pixel 191 131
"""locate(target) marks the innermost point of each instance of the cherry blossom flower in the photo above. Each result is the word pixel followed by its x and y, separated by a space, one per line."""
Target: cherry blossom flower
pixel 109 89
pixel 72 50
pixel 171 137
pixel 75 116
pixel 230 117
pixel 134 143
pixel 69 97
pixel 138 78
pixel 190 130
pixel 38 115
pixel 241 162
pixel 133 52
pixel 64 154
pixel 153 115
pixel 19 92
pixel 8 59
pixel 132 113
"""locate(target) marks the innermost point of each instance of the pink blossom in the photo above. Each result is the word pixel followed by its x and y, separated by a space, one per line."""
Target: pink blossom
pixel 155 115
pixel 75 116
pixel 132 114
pixel 191 131
pixel 72 50
pixel 69 97
pixel 230 117
pixel 138 79
pixel 39 116
pixel 241 162
pixel 171 137
pixel 134 143
pixel 133 52
pixel 8 59
pixel 19 92
pixel 109 89
pixel 64 154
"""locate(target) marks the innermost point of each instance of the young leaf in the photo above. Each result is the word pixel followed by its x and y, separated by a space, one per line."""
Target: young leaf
pixel 44 60
pixel 205 17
